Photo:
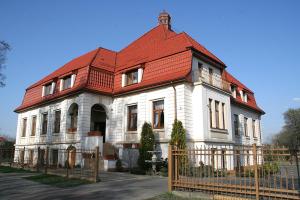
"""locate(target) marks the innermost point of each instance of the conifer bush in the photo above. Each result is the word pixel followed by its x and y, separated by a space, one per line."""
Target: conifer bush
pixel 146 144
pixel 178 136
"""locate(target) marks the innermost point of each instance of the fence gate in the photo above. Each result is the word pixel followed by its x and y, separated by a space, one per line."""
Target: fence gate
pixel 249 172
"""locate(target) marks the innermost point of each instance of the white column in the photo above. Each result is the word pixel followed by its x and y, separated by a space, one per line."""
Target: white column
pixel 43 91
pixel 61 84
pixel 73 79
pixel 123 79
pixel 140 74
pixel 52 87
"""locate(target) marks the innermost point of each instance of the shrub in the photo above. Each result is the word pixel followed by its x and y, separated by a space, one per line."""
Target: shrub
pixel 146 144
pixel 119 166
pixel 270 168
pixel 178 137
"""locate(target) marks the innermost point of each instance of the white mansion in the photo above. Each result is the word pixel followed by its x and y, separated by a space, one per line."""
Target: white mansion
pixel 103 97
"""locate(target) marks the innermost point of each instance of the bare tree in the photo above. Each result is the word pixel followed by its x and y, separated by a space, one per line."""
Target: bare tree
pixel 4 47
pixel 290 133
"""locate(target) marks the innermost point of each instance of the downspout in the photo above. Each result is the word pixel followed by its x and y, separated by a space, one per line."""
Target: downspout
pixel 175 101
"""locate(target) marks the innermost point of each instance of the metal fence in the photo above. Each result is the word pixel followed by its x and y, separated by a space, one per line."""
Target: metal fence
pixel 70 162
pixel 250 172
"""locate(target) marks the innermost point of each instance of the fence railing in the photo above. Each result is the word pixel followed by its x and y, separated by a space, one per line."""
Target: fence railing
pixel 70 162
pixel 259 172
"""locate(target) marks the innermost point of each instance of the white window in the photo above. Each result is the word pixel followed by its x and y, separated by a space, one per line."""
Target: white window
pixel 158 114
pixel 132 118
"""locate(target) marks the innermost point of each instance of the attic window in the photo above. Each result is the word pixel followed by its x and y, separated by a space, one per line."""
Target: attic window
pixel 233 90
pixel 47 89
pixel 67 82
pixel 132 77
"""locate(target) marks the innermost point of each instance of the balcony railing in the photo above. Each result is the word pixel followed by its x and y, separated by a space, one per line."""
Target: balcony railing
pixel 213 80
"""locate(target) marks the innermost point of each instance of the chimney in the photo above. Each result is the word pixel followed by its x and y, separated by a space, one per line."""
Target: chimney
pixel 165 19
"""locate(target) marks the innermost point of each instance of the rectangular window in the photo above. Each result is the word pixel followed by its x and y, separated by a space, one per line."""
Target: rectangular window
pixel 24 127
pixel 223 115
pixel 200 69
pixel 158 114
pixel 57 121
pixel 210 71
pixel 132 77
pixel 132 118
pixel 217 114
pixel 238 160
pixel 246 126
pixel 210 112
pixel 33 126
pixel 66 82
pixel 47 89
pixel 44 123
pixel 54 157
pixel 236 124
pixel 253 129
pixel 248 158
pixel 223 159
pixel 30 156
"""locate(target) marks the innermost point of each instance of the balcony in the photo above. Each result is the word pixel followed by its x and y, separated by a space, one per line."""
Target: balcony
pixel 212 80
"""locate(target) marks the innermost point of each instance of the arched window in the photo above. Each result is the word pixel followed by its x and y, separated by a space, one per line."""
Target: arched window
pixel 73 118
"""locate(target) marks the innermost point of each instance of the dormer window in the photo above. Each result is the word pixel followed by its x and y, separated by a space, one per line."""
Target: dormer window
pixel 66 82
pixel 48 89
pixel 132 77
pixel 244 96
pixel 200 69
pixel 233 90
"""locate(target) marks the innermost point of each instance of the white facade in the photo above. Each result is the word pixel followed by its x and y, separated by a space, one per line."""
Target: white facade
pixel 194 101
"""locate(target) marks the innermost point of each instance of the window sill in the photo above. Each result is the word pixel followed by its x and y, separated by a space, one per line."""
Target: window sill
pixel 131 132
pixel 43 135
pixel 159 130
pixel 55 134
pixel 32 136
pixel 225 131
pixel 130 84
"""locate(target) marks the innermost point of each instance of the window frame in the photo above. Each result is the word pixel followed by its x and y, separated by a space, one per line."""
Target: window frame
pixel 210 112
pixel 131 116
pixel 236 124
pixel 223 115
pixel 56 120
pixel 33 125
pixel 44 124
pixel 254 129
pixel 246 127
pixel 24 127
pixel 69 77
pixel 130 74
pixel 217 114
pixel 160 112
pixel 48 89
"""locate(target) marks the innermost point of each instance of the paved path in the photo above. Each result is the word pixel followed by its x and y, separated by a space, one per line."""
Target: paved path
pixel 113 186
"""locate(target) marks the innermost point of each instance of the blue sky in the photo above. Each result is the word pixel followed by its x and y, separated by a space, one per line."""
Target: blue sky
pixel 258 40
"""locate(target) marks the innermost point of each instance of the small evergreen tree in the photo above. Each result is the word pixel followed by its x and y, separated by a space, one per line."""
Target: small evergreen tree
pixel 178 136
pixel 146 144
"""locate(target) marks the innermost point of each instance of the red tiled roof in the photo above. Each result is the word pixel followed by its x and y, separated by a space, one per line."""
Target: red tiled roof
pixel 251 103
pixel 165 55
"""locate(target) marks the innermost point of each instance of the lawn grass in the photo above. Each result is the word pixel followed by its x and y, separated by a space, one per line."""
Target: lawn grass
pixel 170 196
pixel 8 169
pixel 57 181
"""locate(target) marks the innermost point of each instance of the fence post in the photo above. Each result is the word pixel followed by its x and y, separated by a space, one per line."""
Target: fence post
pixel 96 176
pixel 67 163
pixel 254 149
pixel 170 168
pixel 47 161
pixel 297 166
